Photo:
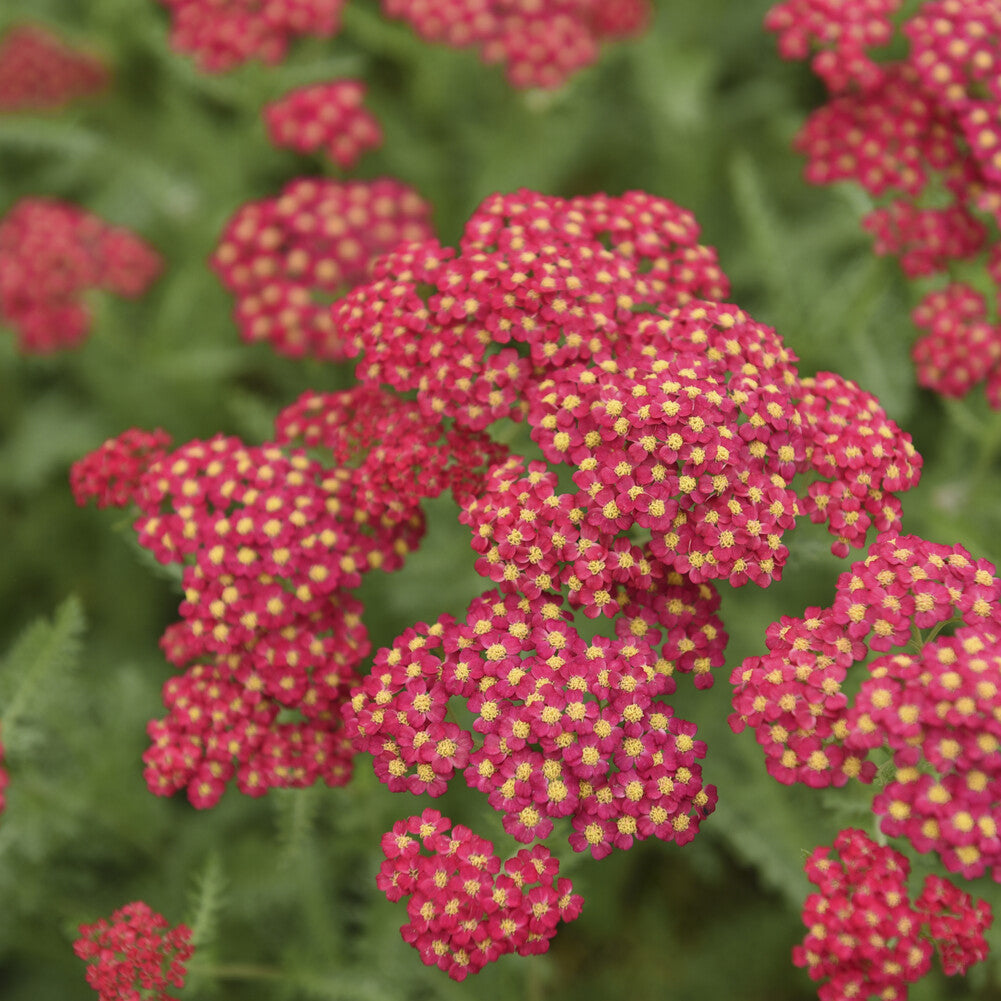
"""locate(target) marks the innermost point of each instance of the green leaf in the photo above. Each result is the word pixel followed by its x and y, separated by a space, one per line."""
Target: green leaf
pixel 43 649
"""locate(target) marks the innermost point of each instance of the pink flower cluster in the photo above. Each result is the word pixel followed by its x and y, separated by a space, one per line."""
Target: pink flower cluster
pixel 533 539
pixel 51 254
pixel 286 258
pixel 938 711
pixel 680 416
pixel 111 473
pixel 271 543
pixel 563 727
pixel 328 116
pixel 842 32
pixel 221 36
pixel 925 131
pixel 39 71
pixel 684 424
pixel 866 938
pixel 691 442
pixel 464 912
pixel 134 954
pixel 539 44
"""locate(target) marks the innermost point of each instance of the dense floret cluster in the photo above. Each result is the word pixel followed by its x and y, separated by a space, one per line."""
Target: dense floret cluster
pixel 110 474
pixel 38 71
pixel 923 135
pixel 562 727
pixel 221 36
pixel 539 44
pixel 327 116
pixel 464 912
pixel 51 254
pixel 680 444
pixel 286 258
pixel 938 711
pixel 842 33
pixel 134 954
pixel 866 938
pixel 680 416
pixel 940 714
pixel 272 542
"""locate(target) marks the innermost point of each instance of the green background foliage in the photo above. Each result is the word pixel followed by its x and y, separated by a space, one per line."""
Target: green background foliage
pixel 280 891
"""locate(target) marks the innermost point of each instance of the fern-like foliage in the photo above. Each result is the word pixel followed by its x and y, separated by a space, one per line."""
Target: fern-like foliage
pixel 43 650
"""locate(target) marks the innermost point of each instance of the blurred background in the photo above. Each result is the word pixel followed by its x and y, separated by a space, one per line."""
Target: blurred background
pixel 700 110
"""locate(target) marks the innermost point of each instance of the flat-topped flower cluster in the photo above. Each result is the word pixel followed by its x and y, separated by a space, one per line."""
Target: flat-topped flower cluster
pixel 935 707
pixel 463 911
pixel 540 44
pixel 286 258
pixel 679 445
pixel 134 954
pixel 922 134
pixel 866 938
pixel 41 72
pixel 51 254
pixel 328 116
pixel 272 542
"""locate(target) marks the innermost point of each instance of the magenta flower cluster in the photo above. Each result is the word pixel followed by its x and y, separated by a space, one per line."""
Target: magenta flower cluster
pixel 463 911
pixel 922 134
pixel 271 545
pixel 866 938
pixel 134 954
pixel 691 444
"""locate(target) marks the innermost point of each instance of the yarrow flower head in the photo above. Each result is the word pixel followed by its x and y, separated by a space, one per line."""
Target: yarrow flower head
pixel 286 258
pixel 562 727
pixel 593 318
pixel 39 71
pixel 866 938
pixel 936 711
pixel 51 253
pixel 134 954
pixel 271 543
pixel 111 474
pixel 463 911
pixel 940 714
pixel 539 44
pixel 925 132
pixel 327 116
pixel 841 32
pixel 221 36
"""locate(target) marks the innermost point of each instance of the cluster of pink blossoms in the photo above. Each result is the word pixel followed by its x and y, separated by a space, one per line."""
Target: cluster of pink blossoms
pixel 564 728
pixel 221 36
pixel 286 258
pixel 328 116
pixel 272 542
pixel 693 446
pixel 938 711
pixel 540 44
pixel 51 254
pixel 924 131
pixel 111 473
pixel 134 954
pixel 39 71
pixel 464 912
pixel 866 938
pixel 680 416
